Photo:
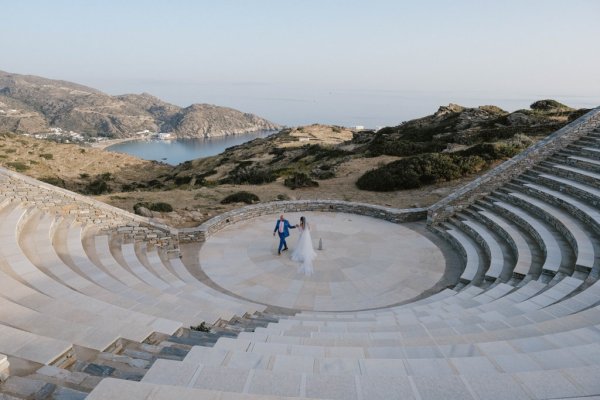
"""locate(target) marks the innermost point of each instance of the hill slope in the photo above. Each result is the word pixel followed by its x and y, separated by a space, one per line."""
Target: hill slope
pixel 31 104
pixel 413 164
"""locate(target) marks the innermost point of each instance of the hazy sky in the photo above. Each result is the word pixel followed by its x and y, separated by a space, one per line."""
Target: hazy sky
pixel 347 62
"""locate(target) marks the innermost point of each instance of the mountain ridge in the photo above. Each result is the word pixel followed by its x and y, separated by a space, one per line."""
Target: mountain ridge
pixel 32 104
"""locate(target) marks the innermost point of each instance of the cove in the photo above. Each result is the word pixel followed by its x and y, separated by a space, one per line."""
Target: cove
pixel 177 151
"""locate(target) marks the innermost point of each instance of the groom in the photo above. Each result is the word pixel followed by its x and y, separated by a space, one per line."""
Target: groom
pixel 282 227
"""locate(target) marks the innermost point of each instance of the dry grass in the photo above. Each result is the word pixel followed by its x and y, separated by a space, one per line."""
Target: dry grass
pixel 192 207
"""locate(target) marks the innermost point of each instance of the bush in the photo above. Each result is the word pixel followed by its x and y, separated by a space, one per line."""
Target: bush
pixel 414 172
pixel 182 180
pixel 154 183
pixel 320 152
pixel 491 151
pixel 241 197
pixel 382 145
pixel 323 173
pixel 159 206
pixel 299 180
pixel 97 187
pixel 84 175
pixel 546 105
pixel 200 328
pixel 47 156
pixel 250 175
pixel 18 166
pixel 53 180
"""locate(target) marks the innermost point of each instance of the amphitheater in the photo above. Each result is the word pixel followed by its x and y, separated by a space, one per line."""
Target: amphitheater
pixel 492 293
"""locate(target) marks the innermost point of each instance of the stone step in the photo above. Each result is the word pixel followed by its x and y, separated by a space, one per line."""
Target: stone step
pixel 31 388
pixel 495 250
pixel 419 378
pixel 119 389
pixel 471 254
pixel 516 238
pixel 547 240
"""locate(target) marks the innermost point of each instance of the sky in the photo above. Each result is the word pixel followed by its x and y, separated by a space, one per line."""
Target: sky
pixel 344 62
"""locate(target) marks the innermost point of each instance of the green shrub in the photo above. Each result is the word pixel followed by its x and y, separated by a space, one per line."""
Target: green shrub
pixel 200 328
pixel 53 180
pixel 18 166
pixel 154 184
pixel 47 156
pixel 10 151
pixel 241 197
pixel 320 152
pixel 250 175
pixel 159 206
pixel 414 172
pixel 283 197
pixel 97 187
pixel 548 104
pixel 299 180
pixel 494 151
pixel 182 180
pixel 382 145
pixel 84 175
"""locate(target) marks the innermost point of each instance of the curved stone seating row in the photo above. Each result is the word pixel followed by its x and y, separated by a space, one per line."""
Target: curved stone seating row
pixel 179 280
pixel 515 238
pixel 54 295
pixel 497 304
pixel 346 353
pixel 493 248
pixel 557 211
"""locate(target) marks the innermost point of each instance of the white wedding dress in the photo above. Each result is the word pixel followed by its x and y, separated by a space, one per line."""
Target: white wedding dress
pixel 304 252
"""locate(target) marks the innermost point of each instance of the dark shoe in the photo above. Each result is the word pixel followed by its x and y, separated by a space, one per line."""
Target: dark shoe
pixel 285 249
pixel 278 253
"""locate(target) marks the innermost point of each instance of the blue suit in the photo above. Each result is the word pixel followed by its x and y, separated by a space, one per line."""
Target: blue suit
pixel 284 234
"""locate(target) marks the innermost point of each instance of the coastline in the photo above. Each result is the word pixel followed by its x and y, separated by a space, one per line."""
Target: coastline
pixel 107 143
pixel 110 142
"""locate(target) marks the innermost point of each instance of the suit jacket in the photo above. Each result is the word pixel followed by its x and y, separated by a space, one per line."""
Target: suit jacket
pixel 286 228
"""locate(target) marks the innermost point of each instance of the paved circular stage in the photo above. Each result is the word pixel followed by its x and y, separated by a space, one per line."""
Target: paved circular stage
pixel 365 263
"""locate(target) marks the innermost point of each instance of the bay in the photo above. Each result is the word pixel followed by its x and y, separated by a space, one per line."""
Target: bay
pixel 177 151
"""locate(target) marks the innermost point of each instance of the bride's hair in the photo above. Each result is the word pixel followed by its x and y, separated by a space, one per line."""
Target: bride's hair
pixel 303 221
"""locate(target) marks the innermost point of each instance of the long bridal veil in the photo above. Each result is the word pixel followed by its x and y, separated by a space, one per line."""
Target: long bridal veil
pixel 304 252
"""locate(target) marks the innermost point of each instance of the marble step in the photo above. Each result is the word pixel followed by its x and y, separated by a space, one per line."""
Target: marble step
pixel 117 389
pixel 454 379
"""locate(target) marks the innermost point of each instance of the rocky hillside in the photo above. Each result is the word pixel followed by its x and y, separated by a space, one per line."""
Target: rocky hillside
pixel 31 104
pixel 452 143
pixel 413 164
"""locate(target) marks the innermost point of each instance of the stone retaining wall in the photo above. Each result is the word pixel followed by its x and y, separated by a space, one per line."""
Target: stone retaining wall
pixel 512 168
pixel 221 221
pixel 29 191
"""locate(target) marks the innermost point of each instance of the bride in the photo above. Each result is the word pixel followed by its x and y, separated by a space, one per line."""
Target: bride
pixel 304 252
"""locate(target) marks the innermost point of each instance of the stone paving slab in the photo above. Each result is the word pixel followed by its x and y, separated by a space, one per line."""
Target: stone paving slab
pixel 365 263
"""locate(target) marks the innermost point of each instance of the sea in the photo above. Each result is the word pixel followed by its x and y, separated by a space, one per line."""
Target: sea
pixel 176 151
